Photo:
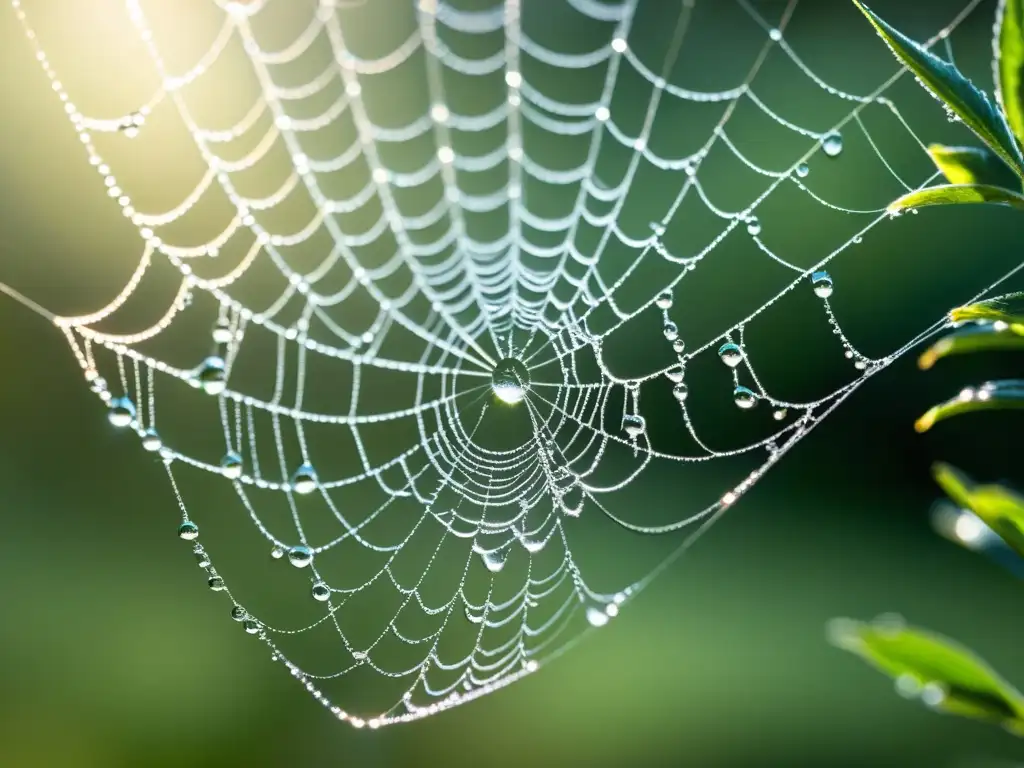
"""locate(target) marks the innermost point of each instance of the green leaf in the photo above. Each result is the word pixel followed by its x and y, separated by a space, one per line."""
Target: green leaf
pixel 998 507
pixel 973 165
pixel 956 194
pixel 993 395
pixel 1009 63
pixel 956 92
pixel 944 674
pixel 1008 309
pixel 973 338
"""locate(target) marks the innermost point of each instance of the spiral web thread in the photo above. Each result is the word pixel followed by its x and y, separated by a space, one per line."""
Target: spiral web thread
pixel 465 303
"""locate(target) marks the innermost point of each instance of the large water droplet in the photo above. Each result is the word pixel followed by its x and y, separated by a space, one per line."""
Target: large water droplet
pixel 151 441
pixel 664 300
pixel 321 592
pixel 753 226
pixel 300 556
pixel 238 613
pixel 678 346
pixel 671 331
pixel 216 583
pixel 304 480
pixel 202 559
pixel 680 392
pixel 121 412
pixel 510 380
pixel 730 354
pixel 231 465
pixel 822 283
pixel 780 414
pixel 802 170
pixel 675 375
pixel 596 617
pixel 277 553
pixel 494 561
pixel 212 375
pixel 832 144
pixel 744 398
pixel 633 425
pixel 251 626
pixel 188 531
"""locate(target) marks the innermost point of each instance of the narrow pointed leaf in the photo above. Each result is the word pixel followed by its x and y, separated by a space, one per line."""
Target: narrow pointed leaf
pixel 946 676
pixel 973 165
pixel 1007 309
pixel 1009 63
pixel 973 338
pixel 998 507
pixel 956 92
pixel 956 194
pixel 991 396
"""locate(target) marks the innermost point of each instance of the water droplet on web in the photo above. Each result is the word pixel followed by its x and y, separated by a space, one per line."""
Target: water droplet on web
pixel 678 346
pixel 300 556
pixel 202 559
pixel 222 332
pixel 359 655
pixel 321 592
pixel 675 375
pixel 664 300
pixel 658 228
pixel 822 283
pixel 680 392
pixel 188 531
pixel 832 144
pixel 802 170
pixel 744 398
pixel 251 626
pixel 596 617
pixel 216 584
pixel 730 354
pixel 633 425
pixel 121 412
pixel 753 226
pixel 510 380
pixel 212 375
pixel 780 414
pixel 304 480
pixel 238 613
pixel 151 441
pixel 671 331
pixel 231 465
pixel 277 553
pixel 494 561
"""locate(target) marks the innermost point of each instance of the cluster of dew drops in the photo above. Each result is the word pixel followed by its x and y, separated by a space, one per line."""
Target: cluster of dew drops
pixel 730 353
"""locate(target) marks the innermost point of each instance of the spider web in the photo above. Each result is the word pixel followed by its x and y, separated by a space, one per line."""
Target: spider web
pixel 355 359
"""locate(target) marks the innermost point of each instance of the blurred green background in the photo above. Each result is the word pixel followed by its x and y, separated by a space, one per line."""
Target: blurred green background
pixel 111 653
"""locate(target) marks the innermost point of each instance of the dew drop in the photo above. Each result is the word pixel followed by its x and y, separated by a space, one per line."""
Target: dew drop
pixel 121 412
pixel 822 283
pixel 678 346
pixel 832 144
pixel 596 617
pixel 222 332
pixel 151 441
pixel 860 364
pixel 753 226
pixel 802 170
pixel 212 375
pixel 216 584
pixel 664 300
pixel 358 655
pixel 780 414
pixel 300 556
pixel 671 331
pixel 730 354
pixel 188 531
pixel 744 398
pixel 510 380
pixel 251 626
pixel 304 480
pixel 231 465
pixel 675 375
pixel 238 613
pixel 633 425
pixel 321 592
pixel 202 559
pixel 277 553
pixel 494 561
pixel 680 392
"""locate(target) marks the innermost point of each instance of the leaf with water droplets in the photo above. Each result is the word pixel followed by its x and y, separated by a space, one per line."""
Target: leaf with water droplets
pixel 956 194
pixel 993 395
pixel 973 338
pixel 1009 63
pixel 972 165
pixel 943 673
pixel 999 508
pixel 948 85
pixel 1008 308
